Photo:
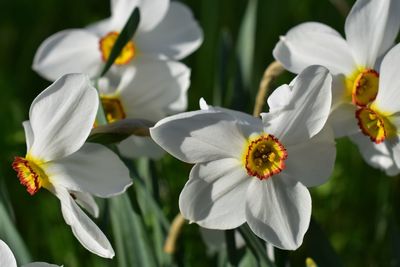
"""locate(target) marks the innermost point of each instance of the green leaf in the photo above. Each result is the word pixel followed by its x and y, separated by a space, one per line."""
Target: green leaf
pixel 132 244
pixel 117 131
pixel 124 37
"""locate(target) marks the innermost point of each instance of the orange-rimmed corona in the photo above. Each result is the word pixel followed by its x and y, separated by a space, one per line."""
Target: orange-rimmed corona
pixel 107 42
pixel 264 156
pixel 30 174
pixel 365 87
pixel 374 125
pixel 113 108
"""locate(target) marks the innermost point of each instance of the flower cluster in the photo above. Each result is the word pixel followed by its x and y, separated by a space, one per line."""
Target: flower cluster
pixel 247 170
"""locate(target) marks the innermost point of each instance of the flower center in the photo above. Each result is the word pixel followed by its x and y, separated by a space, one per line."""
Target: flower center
pixel 264 157
pixel 374 125
pixel 128 52
pixel 364 86
pixel 30 174
pixel 113 108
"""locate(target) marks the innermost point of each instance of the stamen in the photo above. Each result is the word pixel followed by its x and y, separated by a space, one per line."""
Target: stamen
pixel 264 157
pixel 113 108
pixel 128 52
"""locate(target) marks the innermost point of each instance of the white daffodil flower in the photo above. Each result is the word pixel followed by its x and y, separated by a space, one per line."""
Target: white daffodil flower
pixel 138 94
pixel 59 160
pixel 7 258
pixel 371 28
pixel 379 122
pixel 252 170
pixel 166 31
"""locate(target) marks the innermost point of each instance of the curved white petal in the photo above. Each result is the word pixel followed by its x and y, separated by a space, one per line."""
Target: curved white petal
pixel 86 201
pixel 29 137
pixel 376 155
pixel 278 210
pixel 101 28
pixel 68 51
pixel 371 28
pixel 313 43
pixel 306 109
pixel 214 195
pixel 343 120
pixel 62 116
pixel 151 12
pixel 39 264
pixel 175 37
pixel 137 146
pixel 94 169
pixel 83 228
pixel 152 89
pixel 389 83
pixel 201 136
pixel 312 162
pixel 6 256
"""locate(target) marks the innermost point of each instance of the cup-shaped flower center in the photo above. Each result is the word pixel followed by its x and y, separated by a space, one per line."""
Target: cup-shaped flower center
pixel 264 156
pixel 30 174
pixel 365 87
pixel 128 52
pixel 374 124
pixel 113 108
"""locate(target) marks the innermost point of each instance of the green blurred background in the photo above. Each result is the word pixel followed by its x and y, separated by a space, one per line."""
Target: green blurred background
pixel 358 210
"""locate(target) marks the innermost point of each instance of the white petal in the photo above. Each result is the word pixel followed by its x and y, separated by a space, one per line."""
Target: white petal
pixel 313 43
pixel 62 116
pixel 214 195
pixel 68 51
pixel 86 201
pixel 29 137
pixel 177 36
pixel 83 228
pixel 278 210
pixel 39 264
pixel 376 155
pixel 153 89
pixel 151 12
pixel 343 120
pixel 93 169
pixel 306 110
pixel 312 162
pixel 389 83
pixel 136 146
pixel 101 28
pixel 201 136
pixel 6 256
pixel 371 28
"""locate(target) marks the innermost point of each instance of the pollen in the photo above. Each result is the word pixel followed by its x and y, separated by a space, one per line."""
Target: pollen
pixel 113 108
pixel 374 125
pixel 264 156
pixel 30 174
pixel 128 52
pixel 365 87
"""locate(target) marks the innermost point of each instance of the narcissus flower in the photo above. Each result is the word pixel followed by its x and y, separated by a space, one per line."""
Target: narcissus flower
pixel 166 31
pixel 379 122
pixel 59 160
pixel 139 94
pixel 371 28
pixel 7 258
pixel 252 170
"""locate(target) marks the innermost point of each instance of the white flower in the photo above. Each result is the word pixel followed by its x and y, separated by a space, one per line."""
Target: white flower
pixel 248 170
pixel 140 94
pixel 166 31
pixel 60 120
pixel 379 122
pixel 371 28
pixel 7 258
